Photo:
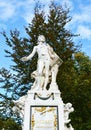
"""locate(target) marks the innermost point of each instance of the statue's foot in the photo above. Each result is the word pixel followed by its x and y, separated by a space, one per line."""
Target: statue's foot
pixel 44 89
pixel 37 88
pixel 53 86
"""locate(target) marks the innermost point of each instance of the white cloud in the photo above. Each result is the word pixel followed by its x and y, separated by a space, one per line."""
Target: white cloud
pixel 7 10
pixel 84 31
pixel 13 9
pixel 81 19
pixel 82 16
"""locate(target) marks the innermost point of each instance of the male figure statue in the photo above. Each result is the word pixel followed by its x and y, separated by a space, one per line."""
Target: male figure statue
pixel 43 60
pixel 47 59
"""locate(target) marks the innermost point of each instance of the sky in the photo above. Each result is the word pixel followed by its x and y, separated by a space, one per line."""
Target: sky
pixel 19 13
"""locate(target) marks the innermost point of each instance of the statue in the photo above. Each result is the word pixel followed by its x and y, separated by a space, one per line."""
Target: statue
pixel 19 105
pixel 45 74
pixel 48 63
pixel 69 128
pixel 67 110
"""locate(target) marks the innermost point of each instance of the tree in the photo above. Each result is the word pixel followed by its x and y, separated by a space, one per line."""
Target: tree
pixel 7 116
pixel 6 96
pixel 82 92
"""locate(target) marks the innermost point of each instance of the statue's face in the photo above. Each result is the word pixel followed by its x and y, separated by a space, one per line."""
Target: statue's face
pixel 41 38
pixel 69 105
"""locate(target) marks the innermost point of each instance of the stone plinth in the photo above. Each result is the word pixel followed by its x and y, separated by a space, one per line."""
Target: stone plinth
pixel 43 111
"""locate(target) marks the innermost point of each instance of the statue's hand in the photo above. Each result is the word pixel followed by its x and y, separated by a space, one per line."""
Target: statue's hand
pixel 24 58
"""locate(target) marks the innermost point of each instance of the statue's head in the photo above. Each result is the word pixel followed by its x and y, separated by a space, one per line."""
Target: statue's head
pixel 69 105
pixel 41 38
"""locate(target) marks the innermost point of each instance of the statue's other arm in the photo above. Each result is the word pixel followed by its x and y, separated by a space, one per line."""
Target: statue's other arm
pixel 26 58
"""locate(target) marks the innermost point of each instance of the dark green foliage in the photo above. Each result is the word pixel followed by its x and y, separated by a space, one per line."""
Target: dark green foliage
pixel 9 124
pixel 74 76
pixel 82 92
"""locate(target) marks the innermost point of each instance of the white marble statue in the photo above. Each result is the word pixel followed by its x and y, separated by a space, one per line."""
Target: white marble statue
pixel 69 128
pixel 19 106
pixel 48 62
pixel 67 110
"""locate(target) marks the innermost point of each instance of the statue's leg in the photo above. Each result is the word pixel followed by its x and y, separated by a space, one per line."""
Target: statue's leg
pixel 54 71
pixel 40 73
pixel 46 74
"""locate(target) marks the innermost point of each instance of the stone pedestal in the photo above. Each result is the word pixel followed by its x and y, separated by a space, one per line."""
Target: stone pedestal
pixel 43 111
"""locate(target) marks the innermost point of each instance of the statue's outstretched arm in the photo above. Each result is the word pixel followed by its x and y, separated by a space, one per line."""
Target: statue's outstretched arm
pixel 26 58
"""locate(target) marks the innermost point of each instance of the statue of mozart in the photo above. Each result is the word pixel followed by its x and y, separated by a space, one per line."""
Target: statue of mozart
pixel 47 64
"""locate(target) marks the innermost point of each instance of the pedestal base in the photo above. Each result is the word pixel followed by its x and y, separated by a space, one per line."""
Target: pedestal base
pixel 43 111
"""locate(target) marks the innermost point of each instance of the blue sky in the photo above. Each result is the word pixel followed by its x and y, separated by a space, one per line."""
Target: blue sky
pixel 18 13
